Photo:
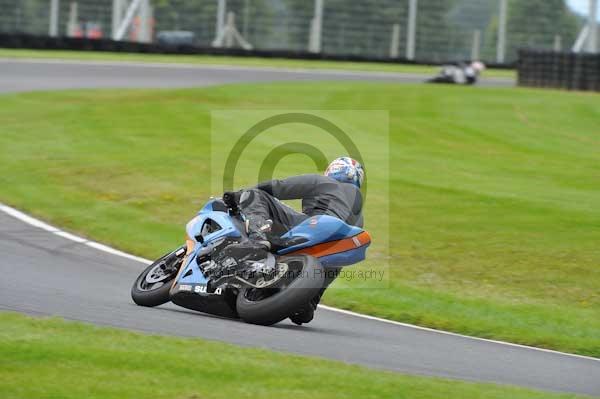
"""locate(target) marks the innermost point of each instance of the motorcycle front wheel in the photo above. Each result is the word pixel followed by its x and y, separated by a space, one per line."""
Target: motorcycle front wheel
pixel 266 306
pixel 152 286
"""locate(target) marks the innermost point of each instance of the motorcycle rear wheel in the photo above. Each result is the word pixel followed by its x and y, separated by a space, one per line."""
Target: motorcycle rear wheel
pixel 269 306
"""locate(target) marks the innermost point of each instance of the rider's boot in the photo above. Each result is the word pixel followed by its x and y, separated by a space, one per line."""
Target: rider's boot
pixel 303 315
pixel 259 234
pixel 307 312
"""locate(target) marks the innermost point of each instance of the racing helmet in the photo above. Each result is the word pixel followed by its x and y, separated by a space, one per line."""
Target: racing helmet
pixel 346 170
pixel 478 66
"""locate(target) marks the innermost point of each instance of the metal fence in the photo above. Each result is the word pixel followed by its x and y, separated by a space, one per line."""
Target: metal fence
pixel 421 30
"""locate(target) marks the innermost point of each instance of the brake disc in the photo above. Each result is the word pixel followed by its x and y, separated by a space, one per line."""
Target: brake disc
pixel 282 269
pixel 157 274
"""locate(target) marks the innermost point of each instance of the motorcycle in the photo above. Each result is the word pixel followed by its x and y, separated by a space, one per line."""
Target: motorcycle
pixel 461 73
pixel 258 287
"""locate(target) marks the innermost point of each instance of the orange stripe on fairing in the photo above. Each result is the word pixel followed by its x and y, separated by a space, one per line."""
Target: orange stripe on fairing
pixel 189 245
pixel 334 247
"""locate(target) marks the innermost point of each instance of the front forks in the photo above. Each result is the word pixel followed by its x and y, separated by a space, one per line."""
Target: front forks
pixel 172 259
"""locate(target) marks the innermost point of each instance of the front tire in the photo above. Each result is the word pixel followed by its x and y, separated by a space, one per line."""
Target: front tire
pixel 254 308
pixel 152 286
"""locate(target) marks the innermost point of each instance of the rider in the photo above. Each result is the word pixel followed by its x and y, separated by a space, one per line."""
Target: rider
pixel 336 193
pixel 460 73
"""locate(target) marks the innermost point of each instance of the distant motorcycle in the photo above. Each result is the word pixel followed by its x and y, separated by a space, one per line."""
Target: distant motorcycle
pixel 259 287
pixel 461 73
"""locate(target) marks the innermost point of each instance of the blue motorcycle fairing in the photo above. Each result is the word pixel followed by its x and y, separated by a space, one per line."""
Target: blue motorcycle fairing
pixel 346 258
pixel 194 229
pixel 319 229
pixel 196 276
pixel 228 228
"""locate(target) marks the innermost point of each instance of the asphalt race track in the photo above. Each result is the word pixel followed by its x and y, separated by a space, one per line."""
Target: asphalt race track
pixel 45 273
pixel 26 75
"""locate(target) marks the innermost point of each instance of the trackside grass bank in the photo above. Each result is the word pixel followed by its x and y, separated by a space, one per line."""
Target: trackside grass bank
pixel 494 195
pixel 235 61
pixel 51 358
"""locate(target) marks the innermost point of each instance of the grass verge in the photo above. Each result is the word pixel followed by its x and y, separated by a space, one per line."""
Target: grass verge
pixel 495 206
pixel 52 358
pixel 237 61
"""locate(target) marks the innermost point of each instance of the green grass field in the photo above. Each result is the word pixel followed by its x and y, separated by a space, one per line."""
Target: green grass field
pixel 495 203
pixel 240 61
pixel 51 358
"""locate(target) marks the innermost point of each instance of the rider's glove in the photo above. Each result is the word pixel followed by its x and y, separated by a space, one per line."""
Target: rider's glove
pixel 231 199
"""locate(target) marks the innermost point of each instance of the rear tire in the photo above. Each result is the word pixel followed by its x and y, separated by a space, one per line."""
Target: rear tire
pixel 145 294
pixel 283 303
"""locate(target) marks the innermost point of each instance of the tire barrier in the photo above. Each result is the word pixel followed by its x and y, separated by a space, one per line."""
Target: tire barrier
pixel 569 71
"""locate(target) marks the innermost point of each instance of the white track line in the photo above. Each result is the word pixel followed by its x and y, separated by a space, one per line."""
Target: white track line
pixel 105 248
pixel 72 237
